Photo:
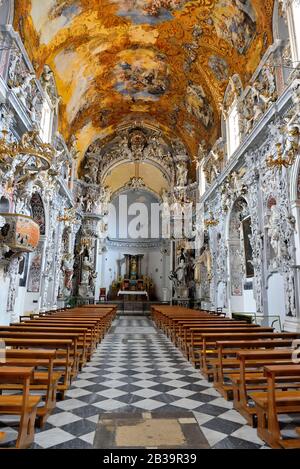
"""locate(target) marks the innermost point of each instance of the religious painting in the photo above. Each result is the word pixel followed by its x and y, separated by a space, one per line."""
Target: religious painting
pixel 236 270
pixel 148 11
pixel 65 8
pixel 219 67
pixel 23 270
pixel 34 277
pixel 247 232
pixel 235 21
pixel 205 283
pixel 198 105
pixel 51 15
pixel 38 212
pixel 141 74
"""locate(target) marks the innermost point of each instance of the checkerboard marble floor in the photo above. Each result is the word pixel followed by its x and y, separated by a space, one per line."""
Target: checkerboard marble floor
pixel 136 368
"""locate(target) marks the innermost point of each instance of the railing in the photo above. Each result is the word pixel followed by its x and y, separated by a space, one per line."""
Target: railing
pixel 265 321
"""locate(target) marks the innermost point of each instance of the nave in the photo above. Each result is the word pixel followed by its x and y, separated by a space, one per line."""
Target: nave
pixel 136 369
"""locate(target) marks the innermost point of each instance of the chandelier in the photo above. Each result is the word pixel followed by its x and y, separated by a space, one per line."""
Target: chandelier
pixel 211 222
pixel 69 217
pixel 287 152
pixel 282 160
pixel 36 156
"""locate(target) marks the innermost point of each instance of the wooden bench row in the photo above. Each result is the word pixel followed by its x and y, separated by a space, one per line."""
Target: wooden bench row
pixel 251 365
pixel 52 348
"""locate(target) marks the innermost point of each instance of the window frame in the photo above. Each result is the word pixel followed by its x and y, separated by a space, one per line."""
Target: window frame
pixel 233 135
pixel 46 122
pixel 294 31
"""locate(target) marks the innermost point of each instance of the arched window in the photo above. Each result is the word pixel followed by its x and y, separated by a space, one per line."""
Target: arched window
pixel 233 129
pixel 46 122
pixel 231 114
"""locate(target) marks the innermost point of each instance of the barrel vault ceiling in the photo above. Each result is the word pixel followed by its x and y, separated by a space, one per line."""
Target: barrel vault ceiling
pixel 162 62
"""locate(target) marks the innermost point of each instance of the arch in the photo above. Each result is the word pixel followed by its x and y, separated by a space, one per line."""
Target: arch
pixel 240 258
pixel 142 196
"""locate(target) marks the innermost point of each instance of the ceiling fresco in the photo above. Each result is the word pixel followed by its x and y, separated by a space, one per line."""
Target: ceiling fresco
pixel 162 62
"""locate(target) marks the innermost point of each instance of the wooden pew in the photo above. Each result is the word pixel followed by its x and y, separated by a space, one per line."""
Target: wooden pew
pixel 63 363
pixel 180 328
pixel 226 362
pixel 192 335
pixel 23 405
pixel 93 325
pixel 196 344
pixel 41 381
pixel 250 377
pixel 85 342
pixel 77 351
pixel 274 402
pixel 208 349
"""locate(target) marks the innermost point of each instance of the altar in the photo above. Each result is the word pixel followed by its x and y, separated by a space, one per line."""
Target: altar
pixel 131 284
pixel 133 293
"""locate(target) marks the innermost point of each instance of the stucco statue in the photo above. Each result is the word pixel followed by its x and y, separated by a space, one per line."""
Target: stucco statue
pixel 181 175
pixel 105 195
pixel 90 171
pixel 87 267
pixel 274 234
pixel 181 271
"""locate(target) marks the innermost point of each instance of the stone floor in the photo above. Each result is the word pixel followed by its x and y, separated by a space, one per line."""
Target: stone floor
pixel 135 370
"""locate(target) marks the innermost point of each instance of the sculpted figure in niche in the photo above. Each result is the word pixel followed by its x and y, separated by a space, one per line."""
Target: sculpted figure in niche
pixel 181 270
pixel 87 268
pixel 274 234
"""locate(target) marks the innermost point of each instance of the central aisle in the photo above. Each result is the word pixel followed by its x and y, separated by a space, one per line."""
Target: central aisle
pixel 137 369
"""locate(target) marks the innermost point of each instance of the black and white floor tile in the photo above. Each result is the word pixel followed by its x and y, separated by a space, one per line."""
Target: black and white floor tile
pixel 136 368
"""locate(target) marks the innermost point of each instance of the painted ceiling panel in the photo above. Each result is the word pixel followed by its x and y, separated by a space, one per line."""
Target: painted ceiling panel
pixel 163 61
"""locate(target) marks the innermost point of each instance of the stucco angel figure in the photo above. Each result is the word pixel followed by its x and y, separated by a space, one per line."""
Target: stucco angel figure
pixel 181 175
pixel 292 132
pixel 90 173
pixel 25 187
pixel 46 78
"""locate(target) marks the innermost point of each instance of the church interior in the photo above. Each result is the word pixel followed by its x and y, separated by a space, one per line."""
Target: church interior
pixel 150 224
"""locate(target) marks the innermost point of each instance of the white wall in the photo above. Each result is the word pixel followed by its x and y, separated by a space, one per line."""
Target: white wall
pixel 276 296
pixel 243 304
pixel 4 283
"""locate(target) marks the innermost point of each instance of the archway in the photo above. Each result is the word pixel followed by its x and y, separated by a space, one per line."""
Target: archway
pixel 133 255
pixel 241 292
pixel 31 278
